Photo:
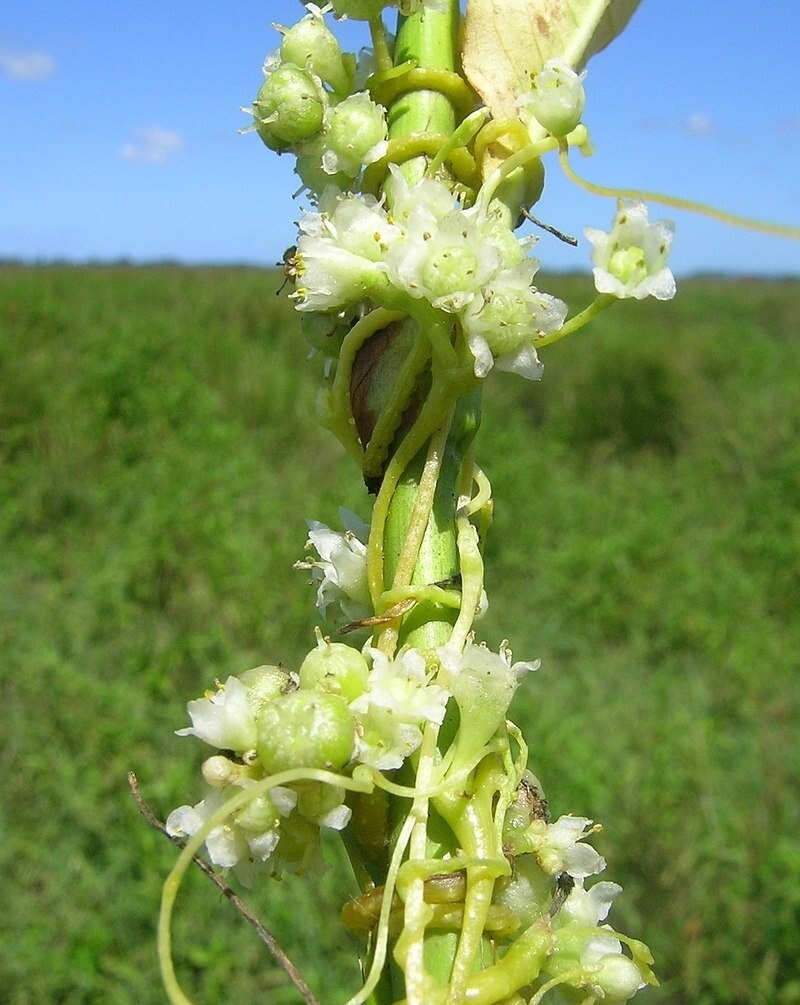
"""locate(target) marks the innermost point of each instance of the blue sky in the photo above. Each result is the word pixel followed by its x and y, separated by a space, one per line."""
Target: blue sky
pixel 120 131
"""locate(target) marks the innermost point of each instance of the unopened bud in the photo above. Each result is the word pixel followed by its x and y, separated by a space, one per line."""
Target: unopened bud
pixel 289 107
pixel 557 99
pixel 218 771
pixel 305 729
pixel 354 133
pixel 618 976
pixel 310 44
pixel 336 668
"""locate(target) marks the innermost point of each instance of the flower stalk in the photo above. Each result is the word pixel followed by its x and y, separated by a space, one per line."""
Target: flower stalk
pixel 413 285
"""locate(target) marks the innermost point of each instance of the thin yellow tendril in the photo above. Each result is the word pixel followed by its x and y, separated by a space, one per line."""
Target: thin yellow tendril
pixel 388 87
pixel 339 414
pixel 470 562
pixel 172 883
pixel 732 219
pixel 382 933
pixel 484 494
pixel 460 161
pixel 410 946
pixel 567 978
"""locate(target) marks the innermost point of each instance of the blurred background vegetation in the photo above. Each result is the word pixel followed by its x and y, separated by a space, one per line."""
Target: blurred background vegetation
pixel 158 453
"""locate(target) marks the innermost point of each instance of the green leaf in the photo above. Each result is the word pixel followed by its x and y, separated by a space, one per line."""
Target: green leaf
pixel 506 41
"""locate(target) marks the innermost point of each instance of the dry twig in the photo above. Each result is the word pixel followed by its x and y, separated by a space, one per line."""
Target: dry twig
pixel 266 937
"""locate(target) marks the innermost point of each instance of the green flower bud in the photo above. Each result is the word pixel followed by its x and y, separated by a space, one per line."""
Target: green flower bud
pixel 289 107
pixel 557 99
pixel 618 977
pixel 264 684
pixel 310 44
pixel 311 173
pixel 355 132
pixel 324 805
pixel 218 771
pixel 335 668
pixel 305 729
pixel 259 815
pixel 325 332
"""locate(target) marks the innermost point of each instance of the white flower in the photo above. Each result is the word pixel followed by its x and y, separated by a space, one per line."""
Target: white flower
pixel 483 684
pixel 557 99
pixel 581 942
pixel 589 907
pixel 500 325
pixel 341 569
pixel 630 261
pixel 424 204
pixel 339 253
pixel 331 277
pixel 389 715
pixel 479 678
pixel 557 849
pixel 252 834
pixel 223 720
pixel 360 225
pixel 447 265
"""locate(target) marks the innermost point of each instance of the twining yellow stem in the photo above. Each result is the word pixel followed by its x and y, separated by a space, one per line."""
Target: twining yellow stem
pixel 423 504
pixel 733 219
pixel 445 389
pixel 238 801
pixel 339 418
pixel 470 559
pixel 382 933
pixel 474 826
pixel 388 87
pixel 410 947
pixel 601 303
pixel 420 515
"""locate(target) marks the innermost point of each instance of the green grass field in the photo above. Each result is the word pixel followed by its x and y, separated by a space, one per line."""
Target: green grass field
pixel 158 453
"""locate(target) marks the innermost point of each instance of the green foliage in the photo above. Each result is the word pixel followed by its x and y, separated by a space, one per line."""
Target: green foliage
pixel 158 451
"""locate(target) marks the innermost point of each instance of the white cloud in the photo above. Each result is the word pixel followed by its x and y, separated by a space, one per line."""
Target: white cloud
pixel 698 124
pixel 695 124
pixel 27 66
pixel 152 146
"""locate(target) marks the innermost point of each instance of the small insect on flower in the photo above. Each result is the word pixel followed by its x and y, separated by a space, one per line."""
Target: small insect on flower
pixel 290 263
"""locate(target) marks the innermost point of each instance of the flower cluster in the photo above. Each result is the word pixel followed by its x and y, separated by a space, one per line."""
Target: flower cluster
pixel 340 709
pixel 418 248
pixel 550 866
pixel 426 248
pixel 307 105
